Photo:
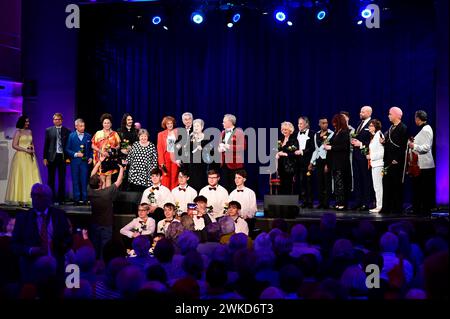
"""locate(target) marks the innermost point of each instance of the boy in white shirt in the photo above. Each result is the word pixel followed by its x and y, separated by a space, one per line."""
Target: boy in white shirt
pixel 157 195
pixel 244 195
pixel 234 211
pixel 142 225
pixel 216 194
pixel 169 213
pixel 183 194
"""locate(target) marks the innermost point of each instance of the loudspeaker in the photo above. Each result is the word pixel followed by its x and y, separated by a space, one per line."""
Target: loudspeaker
pixel 127 202
pixel 281 206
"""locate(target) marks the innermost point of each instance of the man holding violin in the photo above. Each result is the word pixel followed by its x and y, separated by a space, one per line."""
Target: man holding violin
pixel 421 166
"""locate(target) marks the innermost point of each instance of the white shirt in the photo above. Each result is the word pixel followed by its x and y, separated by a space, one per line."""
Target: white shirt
pixel 183 197
pixel 423 143
pixel 162 196
pixel 199 223
pixel 302 138
pixel 228 133
pixel 216 198
pixel 320 152
pixel 240 225
pixel 162 226
pixel 376 150
pixel 247 199
pixel 137 224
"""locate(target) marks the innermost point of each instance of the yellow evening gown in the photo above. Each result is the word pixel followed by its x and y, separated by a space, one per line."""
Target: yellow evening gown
pixel 23 174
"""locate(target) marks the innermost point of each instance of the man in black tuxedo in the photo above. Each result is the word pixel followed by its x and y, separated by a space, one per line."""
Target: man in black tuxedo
pixel 362 175
pixel 305 137
pixel 41 231
pixel 54 158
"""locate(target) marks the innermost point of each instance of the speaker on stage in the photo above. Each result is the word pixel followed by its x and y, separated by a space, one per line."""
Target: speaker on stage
pixel 281 206
pixel 127 202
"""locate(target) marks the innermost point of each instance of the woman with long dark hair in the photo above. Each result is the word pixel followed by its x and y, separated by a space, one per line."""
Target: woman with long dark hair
pixel 338 157
pixel 24 172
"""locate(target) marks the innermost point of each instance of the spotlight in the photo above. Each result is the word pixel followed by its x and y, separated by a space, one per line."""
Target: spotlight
pixel 197 17
pixel 366 13
pixel 359 22
pixel 236 17
pixel 156 20
pixel 230 25
pixel 321 15
pixel 280 15
pixel 289 23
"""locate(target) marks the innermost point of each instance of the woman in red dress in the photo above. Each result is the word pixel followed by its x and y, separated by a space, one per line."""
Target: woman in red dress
pixel 166 152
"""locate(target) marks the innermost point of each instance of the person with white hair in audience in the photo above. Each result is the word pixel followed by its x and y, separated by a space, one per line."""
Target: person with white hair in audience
pixel 388 247
pixel 227 226
pixel 299 236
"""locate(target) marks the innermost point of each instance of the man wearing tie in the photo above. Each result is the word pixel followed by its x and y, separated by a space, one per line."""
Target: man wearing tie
pixel 362 177
pixel 79 150
pixel 183 138
pixel 54 145
pixel 216 195
pixel 232 148
pixel 41 231
pixel 305 138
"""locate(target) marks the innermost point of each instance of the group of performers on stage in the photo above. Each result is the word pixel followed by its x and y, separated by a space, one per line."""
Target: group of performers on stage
pixel 364 161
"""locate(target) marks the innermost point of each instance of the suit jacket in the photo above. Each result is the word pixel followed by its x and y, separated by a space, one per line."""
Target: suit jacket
pixel 287 165
pixel 74 143
pixel 396 140
pixel 423 143
pixel 363 136
pixel 305 159
pixel 51 140
pixel 233 157
pixel 161 147
pixel 376 150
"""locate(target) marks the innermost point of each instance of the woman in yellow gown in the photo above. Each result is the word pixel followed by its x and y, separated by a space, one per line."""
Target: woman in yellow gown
pixel 24 171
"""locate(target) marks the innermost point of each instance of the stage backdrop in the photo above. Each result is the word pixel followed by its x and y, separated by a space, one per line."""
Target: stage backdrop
pixel 261 71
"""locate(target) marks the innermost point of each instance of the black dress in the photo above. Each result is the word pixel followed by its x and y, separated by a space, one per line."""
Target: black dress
pixel 287 165
pixel 131 135
pixel 197 165
pixel 339 160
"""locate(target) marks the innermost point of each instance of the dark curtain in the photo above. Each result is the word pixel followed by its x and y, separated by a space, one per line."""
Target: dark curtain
pixel 261 71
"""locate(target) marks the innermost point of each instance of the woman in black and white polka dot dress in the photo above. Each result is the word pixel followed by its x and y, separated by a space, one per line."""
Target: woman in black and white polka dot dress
pixel 142 159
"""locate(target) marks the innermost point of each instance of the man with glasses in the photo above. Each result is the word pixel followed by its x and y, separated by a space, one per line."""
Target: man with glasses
pixel 216 194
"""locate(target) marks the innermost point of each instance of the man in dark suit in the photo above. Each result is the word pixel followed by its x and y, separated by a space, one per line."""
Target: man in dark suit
pixel 54 158
pixel 232 148
pixel 305 138
pixel 361 173
pixel 41 231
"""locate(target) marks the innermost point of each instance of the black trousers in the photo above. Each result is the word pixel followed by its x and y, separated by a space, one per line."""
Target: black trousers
pixel 424 191
pixel 362 178
pixel 323 183
pixel 304 185
pixel 57 165
pixel 286 183
pixel 393 190
pixel 227 178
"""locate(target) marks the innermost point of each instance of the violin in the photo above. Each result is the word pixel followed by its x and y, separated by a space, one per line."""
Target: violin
pixel 412 168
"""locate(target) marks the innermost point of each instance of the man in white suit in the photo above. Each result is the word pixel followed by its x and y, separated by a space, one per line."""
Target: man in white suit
pixel 424 188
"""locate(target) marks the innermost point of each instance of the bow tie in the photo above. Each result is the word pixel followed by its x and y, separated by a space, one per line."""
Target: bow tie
pixel 240 190
pixel 302 132
pixel 212 188
pixel 155 188
pixel 181 189
pixel 228 131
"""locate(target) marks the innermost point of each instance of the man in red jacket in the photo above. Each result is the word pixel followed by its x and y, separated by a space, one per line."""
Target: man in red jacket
pixel 232 147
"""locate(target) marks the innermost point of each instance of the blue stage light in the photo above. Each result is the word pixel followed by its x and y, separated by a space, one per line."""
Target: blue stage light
pixel 280 15
pixel 321 15
pixel 197 17
pixel 236 17
pixel 156 20
pixel 366 13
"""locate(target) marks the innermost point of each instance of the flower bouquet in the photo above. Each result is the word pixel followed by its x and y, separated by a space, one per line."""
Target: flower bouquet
pixel 292 148
pixel 124 144
pixel 152 198
pixel 364 151
pixel 225 208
